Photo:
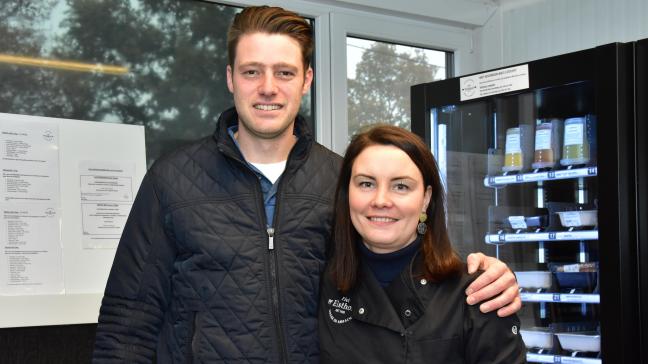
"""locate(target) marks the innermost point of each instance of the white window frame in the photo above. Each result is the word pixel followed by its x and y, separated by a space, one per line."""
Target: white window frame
pixel 333 24
pixel 388 29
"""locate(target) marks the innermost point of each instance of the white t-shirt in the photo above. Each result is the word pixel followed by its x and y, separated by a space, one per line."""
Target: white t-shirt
pixel 272 171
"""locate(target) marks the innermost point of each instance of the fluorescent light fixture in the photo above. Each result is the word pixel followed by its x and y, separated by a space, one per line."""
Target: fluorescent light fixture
pixel 63 65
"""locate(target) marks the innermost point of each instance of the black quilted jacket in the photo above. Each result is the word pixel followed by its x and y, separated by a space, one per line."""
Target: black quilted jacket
pixel 194 280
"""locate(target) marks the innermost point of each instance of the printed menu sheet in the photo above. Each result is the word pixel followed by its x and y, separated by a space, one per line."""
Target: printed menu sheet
pixel 31 250
pixel 106 199
pixel 30 233
pixel 30 164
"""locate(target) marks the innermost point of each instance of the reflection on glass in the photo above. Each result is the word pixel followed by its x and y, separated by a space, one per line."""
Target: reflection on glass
pixel 379 76
pixel 174 53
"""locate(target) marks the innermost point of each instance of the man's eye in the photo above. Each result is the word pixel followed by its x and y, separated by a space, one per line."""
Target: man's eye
pixel 285 74
pixel 250 72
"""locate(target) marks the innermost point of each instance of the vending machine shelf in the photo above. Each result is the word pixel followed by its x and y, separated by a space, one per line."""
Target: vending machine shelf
pixel 507 179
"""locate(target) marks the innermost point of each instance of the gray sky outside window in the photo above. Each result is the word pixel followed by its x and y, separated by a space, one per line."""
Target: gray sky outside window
pixel 379 76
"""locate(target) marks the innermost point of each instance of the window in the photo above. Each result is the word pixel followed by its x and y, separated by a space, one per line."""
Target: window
pixel 379 77
pixel 157 63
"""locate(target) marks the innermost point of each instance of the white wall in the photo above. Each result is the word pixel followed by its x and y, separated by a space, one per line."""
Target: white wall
pixel 524 30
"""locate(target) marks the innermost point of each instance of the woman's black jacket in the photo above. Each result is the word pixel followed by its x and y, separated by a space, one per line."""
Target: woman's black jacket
pixel 413 321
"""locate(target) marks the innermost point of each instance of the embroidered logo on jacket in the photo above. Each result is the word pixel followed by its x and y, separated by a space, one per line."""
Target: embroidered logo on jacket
pixel 340 310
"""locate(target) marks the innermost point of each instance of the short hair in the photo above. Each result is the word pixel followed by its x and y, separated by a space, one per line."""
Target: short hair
pixel 440 259
pixel 271 20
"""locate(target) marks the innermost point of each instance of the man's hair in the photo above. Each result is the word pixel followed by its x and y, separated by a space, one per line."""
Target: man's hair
pixel 440 261
pixel 270 20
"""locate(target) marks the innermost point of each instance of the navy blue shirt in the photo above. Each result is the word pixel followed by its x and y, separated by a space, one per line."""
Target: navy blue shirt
pixel 388 266
pixel 268 188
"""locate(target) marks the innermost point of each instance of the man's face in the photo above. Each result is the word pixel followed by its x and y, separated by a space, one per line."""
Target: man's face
pixel 268 81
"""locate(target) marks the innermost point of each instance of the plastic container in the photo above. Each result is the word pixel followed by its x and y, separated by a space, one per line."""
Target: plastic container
pixel 589 341
pixel 534 279
pixel 528 222
pixel 581 218
pixel 576 144
pixel 537 337
pixel 513 159
pixel 547 143
pixel 583 276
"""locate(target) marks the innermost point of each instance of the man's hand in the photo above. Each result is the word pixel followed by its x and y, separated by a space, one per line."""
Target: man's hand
pixel 497 282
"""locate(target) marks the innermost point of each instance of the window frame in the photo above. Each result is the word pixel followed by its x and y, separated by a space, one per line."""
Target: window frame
pixel 334 23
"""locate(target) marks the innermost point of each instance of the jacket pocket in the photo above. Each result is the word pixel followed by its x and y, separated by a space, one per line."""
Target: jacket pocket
pixel 446 351
pixel 191 336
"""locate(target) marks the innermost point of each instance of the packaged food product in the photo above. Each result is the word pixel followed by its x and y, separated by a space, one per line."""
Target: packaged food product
pixel 512 151
pixel 537 337
pixel 589 341
pixel 576 145
pixel 578 218
pixel 547 144
pixel 534 279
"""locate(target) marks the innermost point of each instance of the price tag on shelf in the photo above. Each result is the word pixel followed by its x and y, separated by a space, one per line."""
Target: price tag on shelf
pixel 517 222
pixel 534 177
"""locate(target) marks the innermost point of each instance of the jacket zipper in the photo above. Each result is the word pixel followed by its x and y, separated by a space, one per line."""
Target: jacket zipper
pixel 272 260
pixel 274 285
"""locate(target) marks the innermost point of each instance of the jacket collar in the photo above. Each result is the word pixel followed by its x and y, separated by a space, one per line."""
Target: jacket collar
pixel 226 145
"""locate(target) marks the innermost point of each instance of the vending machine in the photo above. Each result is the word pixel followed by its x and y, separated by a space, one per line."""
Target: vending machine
pixel 540 167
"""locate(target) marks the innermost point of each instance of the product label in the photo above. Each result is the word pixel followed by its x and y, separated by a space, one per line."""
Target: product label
pixel 494 82
pixel 543 139
pixel 570 218
pixel 513 143
pixel 517 222
pixel 574 134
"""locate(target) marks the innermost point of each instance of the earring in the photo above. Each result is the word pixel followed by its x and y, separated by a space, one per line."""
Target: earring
pixel 421 227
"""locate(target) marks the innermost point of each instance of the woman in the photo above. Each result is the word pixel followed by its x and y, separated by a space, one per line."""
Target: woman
pixel 394 287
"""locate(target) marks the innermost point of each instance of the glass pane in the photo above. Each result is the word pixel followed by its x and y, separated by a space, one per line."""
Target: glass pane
pixel 157 63
pixel 379 76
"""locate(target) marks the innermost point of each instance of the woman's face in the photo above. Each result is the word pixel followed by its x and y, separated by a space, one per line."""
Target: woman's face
pixel 386 197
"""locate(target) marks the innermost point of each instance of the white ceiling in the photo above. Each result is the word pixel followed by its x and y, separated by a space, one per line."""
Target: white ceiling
pixel 473 13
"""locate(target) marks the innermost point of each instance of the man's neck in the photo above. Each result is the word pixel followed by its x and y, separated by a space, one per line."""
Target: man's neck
pixel 259 150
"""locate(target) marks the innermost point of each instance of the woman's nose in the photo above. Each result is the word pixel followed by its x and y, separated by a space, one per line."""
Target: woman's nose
pixel 381 198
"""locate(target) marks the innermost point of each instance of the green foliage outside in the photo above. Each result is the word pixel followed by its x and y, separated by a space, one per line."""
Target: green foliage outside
pixel 175 51
pixel 380 92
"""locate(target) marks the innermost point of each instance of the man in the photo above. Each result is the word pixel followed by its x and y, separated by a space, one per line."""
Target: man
pixel 221 257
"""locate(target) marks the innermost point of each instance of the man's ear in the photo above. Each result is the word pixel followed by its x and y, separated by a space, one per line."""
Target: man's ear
pixel 230 84
pixel 308 80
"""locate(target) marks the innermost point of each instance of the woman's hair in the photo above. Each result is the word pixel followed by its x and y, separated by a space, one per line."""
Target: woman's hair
pixel 270 20
pixel 441 261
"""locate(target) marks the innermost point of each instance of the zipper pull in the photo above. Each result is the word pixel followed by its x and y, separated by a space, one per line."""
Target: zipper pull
pixel 270 238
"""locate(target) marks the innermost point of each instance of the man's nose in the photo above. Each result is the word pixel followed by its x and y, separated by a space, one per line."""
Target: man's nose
pixel 268 85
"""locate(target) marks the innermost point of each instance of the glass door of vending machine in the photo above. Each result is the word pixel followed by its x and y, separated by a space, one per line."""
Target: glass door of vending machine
pixel 530 157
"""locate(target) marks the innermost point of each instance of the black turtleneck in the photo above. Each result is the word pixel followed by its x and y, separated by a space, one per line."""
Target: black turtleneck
pixel 388 266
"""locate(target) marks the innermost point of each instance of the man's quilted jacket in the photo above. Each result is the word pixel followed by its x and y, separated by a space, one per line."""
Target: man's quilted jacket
pixel 194 280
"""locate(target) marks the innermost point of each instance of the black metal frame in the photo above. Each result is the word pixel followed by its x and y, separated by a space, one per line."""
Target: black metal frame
pixel 610 67
pixel 641 143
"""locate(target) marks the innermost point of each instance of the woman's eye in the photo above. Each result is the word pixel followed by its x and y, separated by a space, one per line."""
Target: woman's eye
pixel 401 187
pixel 365 184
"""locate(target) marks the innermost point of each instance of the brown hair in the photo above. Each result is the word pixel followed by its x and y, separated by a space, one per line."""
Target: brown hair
pixel 271 20
pixel 441 261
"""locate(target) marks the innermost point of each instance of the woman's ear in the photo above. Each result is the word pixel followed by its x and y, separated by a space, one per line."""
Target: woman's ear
pixel 427 196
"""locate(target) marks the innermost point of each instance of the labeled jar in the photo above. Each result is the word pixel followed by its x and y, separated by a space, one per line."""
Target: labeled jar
pixel 513 151
pixel 547 145
pixel 576 149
